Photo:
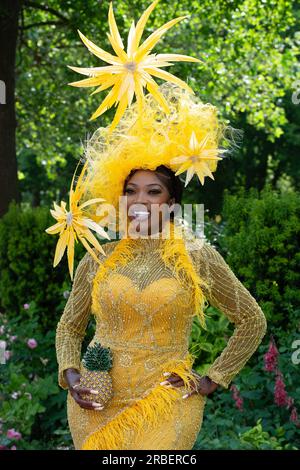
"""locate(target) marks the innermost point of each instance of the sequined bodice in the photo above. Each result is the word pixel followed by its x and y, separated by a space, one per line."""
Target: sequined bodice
pixel 142 305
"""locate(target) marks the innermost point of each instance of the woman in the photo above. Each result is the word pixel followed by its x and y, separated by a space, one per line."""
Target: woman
pixel 144 291
pixel 143 314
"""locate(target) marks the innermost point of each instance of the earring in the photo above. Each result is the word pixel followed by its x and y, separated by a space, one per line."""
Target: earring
pixel 171 208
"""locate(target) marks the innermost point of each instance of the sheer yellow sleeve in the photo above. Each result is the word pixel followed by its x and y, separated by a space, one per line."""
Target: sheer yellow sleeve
pixel 72 325
pixel 231 297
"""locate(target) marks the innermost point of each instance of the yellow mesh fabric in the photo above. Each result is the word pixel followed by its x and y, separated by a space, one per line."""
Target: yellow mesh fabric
pixel 229 295
pixel 145 316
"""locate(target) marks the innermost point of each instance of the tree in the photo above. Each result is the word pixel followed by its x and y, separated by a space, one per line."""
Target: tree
pixel 9 13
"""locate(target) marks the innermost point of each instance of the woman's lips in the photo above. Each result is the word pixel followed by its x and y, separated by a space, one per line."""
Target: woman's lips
pixel 139 215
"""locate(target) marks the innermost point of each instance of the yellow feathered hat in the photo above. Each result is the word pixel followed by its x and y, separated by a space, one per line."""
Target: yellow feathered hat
pixel 169 126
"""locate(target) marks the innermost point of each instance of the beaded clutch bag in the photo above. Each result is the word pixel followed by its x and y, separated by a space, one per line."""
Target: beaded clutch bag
pixel 97 362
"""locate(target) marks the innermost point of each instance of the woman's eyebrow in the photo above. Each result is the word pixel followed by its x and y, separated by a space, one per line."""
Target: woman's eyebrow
pixel 151 184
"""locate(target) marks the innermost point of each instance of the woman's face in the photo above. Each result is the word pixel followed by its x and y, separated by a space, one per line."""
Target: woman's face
pixel 148 202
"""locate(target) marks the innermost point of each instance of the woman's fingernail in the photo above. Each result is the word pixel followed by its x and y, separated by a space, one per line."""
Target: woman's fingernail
pixel 185 396
pixel 166 374
pixel 99 408
pixel 94 392
pixel 164 383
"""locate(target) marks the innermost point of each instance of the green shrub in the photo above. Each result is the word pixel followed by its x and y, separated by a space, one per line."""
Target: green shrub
pixel 31 401
pixel 259 423
pixel 26 265
pixel 260 242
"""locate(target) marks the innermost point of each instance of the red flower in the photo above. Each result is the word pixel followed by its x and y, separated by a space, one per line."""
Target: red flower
pixel 238 399
pixel 271 357
pixel 294 416
pixel 280 395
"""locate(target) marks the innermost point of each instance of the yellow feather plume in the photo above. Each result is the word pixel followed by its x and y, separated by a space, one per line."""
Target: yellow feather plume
pixel 150 408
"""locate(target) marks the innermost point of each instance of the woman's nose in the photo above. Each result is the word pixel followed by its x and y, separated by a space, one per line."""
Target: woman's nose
pixel 140 199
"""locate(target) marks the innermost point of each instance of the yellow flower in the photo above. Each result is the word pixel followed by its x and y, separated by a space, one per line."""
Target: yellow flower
pixel 130 71
pixel 197 158
pixel 73 225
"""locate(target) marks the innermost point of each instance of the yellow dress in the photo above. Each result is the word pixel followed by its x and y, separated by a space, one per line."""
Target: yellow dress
pixel 144 316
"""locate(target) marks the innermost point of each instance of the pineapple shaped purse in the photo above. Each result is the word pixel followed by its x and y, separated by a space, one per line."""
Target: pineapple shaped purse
pixel 97 362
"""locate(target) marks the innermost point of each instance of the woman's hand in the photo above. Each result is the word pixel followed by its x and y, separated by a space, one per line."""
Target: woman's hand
pixel 202 385
pixel 72 377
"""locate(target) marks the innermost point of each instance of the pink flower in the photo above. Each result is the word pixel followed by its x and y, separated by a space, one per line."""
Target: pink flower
pixel 271 357
pixel 13 434
pixel 13 338
pixel 7 355
pixel 238 399
pixel 26 306
pixel 66 294
pixel 280 395
pixel 13 448
pixel 31 343
pixel 289 402
pixel 294 416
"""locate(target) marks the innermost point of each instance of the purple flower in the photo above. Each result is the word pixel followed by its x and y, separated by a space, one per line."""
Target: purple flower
pixel 32 343
pixel 13 434
pixel 13 338
pixel 26 306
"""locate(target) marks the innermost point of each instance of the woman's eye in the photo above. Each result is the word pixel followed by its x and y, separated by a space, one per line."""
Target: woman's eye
pixel 152 191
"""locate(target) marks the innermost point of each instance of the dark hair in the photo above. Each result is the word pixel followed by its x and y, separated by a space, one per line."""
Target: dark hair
pixel 168 178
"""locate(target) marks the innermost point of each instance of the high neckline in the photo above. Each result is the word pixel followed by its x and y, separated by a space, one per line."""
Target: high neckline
pixel 154 241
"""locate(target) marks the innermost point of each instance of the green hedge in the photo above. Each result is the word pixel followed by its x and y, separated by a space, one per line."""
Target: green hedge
pixel 260 241
pixel 26 265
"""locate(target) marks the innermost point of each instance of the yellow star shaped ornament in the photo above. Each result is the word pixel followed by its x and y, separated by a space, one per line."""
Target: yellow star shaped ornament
pixel 130 71
pixel 73 224
pixel 198 157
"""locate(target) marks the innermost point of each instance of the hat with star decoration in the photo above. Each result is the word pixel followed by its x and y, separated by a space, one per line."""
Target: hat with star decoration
pixel 153 125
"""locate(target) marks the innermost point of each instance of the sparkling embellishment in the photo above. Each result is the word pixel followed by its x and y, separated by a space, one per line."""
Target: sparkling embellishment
pixel 125 360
